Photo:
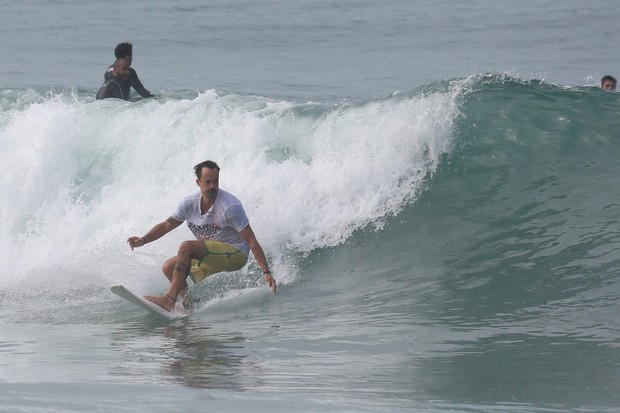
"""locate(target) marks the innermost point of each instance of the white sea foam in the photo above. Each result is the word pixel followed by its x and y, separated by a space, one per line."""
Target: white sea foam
pixel 79 177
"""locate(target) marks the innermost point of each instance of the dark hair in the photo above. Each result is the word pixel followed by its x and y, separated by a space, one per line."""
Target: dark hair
pixel 606 78
pixel 205 164
pixel 123 50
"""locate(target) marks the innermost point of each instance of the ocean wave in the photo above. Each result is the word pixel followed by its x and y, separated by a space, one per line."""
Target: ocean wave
pixel 488 183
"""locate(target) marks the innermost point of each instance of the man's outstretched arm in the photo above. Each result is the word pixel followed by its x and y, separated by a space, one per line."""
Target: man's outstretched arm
pixel 158 231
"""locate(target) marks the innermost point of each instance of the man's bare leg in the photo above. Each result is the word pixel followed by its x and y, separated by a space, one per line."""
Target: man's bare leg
pixel 180 271
pixel 168 269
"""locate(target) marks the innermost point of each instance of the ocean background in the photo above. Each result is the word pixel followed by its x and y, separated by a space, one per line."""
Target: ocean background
pixel 435 185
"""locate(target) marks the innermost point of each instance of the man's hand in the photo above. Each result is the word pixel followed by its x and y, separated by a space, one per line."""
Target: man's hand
pixel 135 242
pixel 271 281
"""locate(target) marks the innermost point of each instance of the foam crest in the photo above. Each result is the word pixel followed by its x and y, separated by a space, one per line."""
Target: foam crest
pixel 81 177
pixel 35 170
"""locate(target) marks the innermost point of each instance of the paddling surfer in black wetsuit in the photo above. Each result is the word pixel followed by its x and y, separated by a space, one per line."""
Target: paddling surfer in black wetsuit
pixel 125 51
pixel 112 87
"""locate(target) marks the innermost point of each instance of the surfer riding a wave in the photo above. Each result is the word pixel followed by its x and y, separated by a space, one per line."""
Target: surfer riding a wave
pixel 223 234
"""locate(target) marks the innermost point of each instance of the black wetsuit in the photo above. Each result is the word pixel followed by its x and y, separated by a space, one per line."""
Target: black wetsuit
pixel 112 88
pixel 132 81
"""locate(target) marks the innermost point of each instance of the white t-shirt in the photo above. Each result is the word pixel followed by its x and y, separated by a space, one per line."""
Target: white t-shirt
pixel 222 222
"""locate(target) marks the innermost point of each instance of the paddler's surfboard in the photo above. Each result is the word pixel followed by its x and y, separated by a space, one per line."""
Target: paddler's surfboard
pixel 138 300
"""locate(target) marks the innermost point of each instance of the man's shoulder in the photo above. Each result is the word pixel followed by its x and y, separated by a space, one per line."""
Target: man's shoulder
pixel 186 205
pixel 227 197
pixel 230 204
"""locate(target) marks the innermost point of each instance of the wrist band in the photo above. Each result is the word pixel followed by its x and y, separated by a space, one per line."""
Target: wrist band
pixel 266 272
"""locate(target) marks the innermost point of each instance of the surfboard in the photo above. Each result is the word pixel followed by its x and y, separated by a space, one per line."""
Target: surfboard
pixel 138 300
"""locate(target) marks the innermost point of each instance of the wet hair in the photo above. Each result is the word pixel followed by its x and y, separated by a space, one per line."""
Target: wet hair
pixel 606 78
pixel 205 164
pixel 123 50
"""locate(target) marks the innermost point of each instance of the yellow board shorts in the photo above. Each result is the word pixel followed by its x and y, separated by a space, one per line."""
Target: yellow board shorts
pixel 220 257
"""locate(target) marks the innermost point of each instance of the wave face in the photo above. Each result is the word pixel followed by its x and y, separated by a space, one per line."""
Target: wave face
pixel 521 216
pixel 526 199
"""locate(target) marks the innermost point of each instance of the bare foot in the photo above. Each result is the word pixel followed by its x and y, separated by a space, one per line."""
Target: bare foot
pixel 165 302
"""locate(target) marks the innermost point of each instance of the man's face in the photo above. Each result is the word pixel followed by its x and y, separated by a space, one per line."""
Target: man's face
pixel 209 182
pixel 609 85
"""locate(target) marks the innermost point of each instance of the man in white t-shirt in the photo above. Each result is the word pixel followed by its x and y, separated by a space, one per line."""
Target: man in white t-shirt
pixel 223 234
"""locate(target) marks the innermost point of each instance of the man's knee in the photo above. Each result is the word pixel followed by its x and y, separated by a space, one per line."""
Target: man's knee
pixel 194 249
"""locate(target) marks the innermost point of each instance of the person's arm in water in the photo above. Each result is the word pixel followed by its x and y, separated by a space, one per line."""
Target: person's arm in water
pixel 248 235
pixel 137 85
pixel 154 233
